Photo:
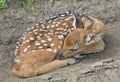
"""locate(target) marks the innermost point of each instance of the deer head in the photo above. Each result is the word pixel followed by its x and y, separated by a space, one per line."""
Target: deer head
pixel 73 43
pixel 95 28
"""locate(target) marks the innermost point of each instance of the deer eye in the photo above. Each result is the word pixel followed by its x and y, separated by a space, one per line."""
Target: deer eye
pixel 74 49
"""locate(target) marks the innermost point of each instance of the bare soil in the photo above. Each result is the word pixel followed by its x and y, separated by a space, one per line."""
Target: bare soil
pixel 99 67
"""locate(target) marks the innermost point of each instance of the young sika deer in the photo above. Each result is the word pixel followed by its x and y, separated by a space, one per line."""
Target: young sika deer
pixel 60 35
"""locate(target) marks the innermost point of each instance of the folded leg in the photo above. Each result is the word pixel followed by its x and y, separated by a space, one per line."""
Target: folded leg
pixel 28 70
pixel 30 64
pixel 55 64
pixel 27 62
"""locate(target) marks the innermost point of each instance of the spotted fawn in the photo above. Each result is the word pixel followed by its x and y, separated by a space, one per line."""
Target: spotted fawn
pixel 63 35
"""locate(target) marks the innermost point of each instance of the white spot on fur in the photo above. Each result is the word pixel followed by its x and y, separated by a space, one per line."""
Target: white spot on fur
pixel 45 44
pixel 50 39
pixel 40 47
pixel 35 30
pixel 60 36
pixel 16 60
pixel 52 44
pixel 31 38
pixel 24 42
pixel 58 22
pixel 49 50
pixel 48 26
pixel 65 29
pixel 16 47
pixel 43 41
pixel 38 37
pixel 28 46
pixel 60 28
pixel 52 26
pixel 27 41
pixel 49 21
pixel 37 44
pixel 59 47
pixel 60 42
pixel 55 50
pixel 62 15
pixel 41 29
pixel 67 26
pixel 72 28
pixel 35 33
pixel 64 24
pixel 32 28
pixel 25 50
pixel 54 22
pixel 65 33
pixel 68 18
pixel 37 24
pixel 74 22
pixel 40 34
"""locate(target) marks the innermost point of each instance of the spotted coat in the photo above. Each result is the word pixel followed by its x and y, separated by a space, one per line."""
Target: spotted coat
pixel 43 35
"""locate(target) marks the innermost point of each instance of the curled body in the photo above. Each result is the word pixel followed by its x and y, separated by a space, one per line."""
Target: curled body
pixel 57 36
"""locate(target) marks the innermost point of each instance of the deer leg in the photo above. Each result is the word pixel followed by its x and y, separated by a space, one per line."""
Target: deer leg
pixel 29 70
pixel 55 64
pixel 26 67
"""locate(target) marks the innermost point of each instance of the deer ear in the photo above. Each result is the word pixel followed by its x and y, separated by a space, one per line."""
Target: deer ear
pixel 87 23
pixel 72 39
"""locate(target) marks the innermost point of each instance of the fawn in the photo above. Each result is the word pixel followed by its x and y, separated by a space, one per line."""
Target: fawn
pixel 64 35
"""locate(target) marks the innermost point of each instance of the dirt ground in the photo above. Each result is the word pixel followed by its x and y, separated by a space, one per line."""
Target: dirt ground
pixel 100 67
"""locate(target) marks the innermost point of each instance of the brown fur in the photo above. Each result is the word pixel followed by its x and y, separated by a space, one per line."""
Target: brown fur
pixel 36 61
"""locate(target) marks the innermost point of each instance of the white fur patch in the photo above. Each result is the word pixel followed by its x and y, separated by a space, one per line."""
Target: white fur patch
pixel 27 41
pixel 45 44
pixel 48 26
pixel 74 22
pixel 38 37
pixel 60 42
pixel 56 24
pixel 40 47
pixel 52 26
pixel 68 18
pixel 64 24
pixel 49 50
pixel 25 50
pixel 16 60
pixel 60 36
pixel 37 44
pixel 52 44
pixel 55 50
pixel 43 41
pixel 59 47
pixel 35 33
pixel 28 46
pixel 31 38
